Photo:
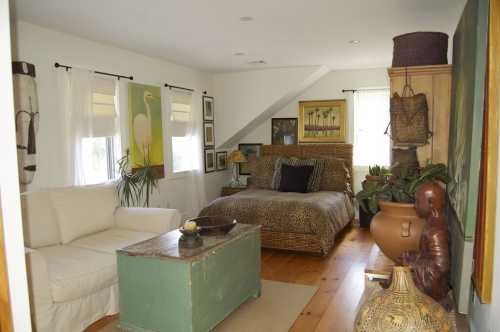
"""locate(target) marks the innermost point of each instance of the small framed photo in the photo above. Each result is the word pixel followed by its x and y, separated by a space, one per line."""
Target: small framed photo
pixel 210 163
pixel 284 131
pixel 208 134
pixel 208 108
pixel 221 157
pixel 248 149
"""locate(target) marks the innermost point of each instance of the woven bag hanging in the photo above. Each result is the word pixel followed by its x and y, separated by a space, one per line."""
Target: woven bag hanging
pixel 409 118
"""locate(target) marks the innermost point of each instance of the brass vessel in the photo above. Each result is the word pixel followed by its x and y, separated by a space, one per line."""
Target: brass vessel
pixel 402 308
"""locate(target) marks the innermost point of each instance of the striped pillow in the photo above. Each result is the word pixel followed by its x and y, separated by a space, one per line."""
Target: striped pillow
pixel 314 179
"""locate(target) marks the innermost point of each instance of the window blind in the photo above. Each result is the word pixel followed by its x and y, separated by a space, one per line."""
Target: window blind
pixel 104 110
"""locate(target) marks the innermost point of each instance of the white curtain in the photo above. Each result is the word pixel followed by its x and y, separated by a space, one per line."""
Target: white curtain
pixel 196 175
pixel 191 126
pixel 80 119
pixel 371 145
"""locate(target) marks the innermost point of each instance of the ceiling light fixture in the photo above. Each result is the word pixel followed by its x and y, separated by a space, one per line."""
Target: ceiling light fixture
pixel 354 41
pixel 257 62
pixel 246 18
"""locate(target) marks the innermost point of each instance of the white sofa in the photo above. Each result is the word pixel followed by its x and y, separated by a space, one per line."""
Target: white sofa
pixel 71 235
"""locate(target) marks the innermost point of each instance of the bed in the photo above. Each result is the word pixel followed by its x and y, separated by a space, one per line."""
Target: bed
pixel 304 222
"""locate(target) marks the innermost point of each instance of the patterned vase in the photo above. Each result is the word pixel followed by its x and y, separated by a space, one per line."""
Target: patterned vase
pixel 402 308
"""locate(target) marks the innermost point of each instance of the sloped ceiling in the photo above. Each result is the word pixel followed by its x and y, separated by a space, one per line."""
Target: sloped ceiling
pixel 244 100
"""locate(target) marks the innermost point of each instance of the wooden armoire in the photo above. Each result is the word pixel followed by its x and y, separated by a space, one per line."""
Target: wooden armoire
pixel 435 83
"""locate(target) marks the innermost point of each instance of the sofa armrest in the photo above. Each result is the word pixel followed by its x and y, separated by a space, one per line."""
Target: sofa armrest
pixel 152 220
pixel 38 283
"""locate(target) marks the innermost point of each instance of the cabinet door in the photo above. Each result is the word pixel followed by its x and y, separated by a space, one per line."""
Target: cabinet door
pixel 435 83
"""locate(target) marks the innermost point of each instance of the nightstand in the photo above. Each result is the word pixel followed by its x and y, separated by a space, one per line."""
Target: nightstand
pixel 227 191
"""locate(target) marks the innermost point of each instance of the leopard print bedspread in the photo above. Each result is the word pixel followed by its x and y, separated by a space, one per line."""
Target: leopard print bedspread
pixel 323 213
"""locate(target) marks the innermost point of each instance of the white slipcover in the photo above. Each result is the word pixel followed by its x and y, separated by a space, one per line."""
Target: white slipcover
pixel 74 284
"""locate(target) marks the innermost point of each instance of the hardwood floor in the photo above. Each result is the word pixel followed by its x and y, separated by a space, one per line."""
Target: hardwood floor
pixel 339 278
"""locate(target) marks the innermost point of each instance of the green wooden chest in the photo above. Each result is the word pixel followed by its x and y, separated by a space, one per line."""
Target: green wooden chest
pixel 167 288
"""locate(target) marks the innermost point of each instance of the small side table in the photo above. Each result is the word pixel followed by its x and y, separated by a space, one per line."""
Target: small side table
pixel 228 191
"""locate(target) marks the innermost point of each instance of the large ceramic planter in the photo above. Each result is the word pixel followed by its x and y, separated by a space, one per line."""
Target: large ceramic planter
pixel 396 228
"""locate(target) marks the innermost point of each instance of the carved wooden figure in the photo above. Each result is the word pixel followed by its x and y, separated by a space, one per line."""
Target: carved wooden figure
pixel 431 265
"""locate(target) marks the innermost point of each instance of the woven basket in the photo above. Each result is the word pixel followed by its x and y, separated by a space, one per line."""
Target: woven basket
pixel 420 49
pixel 409 120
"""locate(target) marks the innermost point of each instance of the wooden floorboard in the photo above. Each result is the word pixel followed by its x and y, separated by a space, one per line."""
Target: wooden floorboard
pixel 338 276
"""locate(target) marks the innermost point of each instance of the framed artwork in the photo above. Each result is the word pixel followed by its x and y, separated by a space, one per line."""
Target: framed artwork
pixel 208 108
pixel 248 149
pixel 145 123
pixel 284 131
pixel 484 239
pixel 323 121
pixel 221 157
pixel 210 163
pixel 208 134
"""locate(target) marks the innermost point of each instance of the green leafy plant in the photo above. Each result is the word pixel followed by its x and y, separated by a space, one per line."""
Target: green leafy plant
pixel 399 188
pixel 136 188
pixel 377 170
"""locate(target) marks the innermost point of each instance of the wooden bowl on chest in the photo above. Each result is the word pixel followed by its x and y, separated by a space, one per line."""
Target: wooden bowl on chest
pixel 214 225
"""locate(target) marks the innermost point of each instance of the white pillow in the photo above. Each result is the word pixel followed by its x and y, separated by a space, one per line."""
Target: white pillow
pixel 84 210
pixel 39 220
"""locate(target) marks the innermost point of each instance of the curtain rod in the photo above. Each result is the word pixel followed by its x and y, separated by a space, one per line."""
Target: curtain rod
pixel 180 87
pixel 57 65
pixel 349 90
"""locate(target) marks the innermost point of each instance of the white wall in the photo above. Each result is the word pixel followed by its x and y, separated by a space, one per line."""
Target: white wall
pixel 43 47
pixel 10 208
pixel 246 99
pixel 328 87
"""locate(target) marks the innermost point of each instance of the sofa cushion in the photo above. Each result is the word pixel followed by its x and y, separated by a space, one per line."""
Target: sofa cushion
pixel 39 220
pixel 76 272
pixel 111 240
pixel 84 210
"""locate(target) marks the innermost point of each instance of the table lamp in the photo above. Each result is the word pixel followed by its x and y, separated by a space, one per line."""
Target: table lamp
pixel 236 158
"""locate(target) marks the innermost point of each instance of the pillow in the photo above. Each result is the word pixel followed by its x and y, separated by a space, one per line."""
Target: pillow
pixel 261 171
pixel 334 175
pixel 295 178
pixel 39 220
pixel 84 210
pixel 315 178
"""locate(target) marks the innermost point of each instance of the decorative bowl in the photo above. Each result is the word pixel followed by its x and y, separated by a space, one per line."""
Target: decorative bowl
pixel 190 238
pixel 214 225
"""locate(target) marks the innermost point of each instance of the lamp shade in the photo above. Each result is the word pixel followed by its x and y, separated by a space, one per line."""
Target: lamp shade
pixel 237 157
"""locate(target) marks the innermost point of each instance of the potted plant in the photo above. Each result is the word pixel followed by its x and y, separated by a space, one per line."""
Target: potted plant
pixel 396 227
pixel 376 173
pixel 136 188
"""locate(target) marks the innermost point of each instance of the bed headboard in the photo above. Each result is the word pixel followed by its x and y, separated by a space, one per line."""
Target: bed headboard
pixel 336 150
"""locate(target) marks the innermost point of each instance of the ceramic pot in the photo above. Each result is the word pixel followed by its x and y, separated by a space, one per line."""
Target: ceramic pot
pixel 401 308
pixel 372 178
pixel 396 228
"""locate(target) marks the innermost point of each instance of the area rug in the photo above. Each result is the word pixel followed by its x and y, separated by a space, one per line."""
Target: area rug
pixel 274 311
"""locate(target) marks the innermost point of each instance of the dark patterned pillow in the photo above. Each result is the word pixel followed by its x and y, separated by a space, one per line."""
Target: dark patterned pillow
pixel 334 175
pixel 315 178
pixel 295 178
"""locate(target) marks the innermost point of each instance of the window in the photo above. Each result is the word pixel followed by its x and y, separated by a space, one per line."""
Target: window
pixel 371 117
pixel 180 124
pixel 101 151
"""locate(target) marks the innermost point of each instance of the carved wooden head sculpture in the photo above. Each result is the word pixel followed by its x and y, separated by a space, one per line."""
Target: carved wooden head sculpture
pixel 429 196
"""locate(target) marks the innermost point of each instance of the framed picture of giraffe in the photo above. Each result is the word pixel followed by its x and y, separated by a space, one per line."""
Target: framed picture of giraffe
pixel 322 121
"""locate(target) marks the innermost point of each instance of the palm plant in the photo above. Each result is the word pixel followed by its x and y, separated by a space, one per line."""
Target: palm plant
pixel 135 188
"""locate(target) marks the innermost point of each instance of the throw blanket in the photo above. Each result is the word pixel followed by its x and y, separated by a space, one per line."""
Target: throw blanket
pixel 322 213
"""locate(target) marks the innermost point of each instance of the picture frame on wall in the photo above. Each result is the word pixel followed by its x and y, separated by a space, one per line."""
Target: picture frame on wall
pixel 221 158
pixel 284 131
pixel 323 121
pixel 208 108
pixel 208 134
pixel 248 149
pixel 210 161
